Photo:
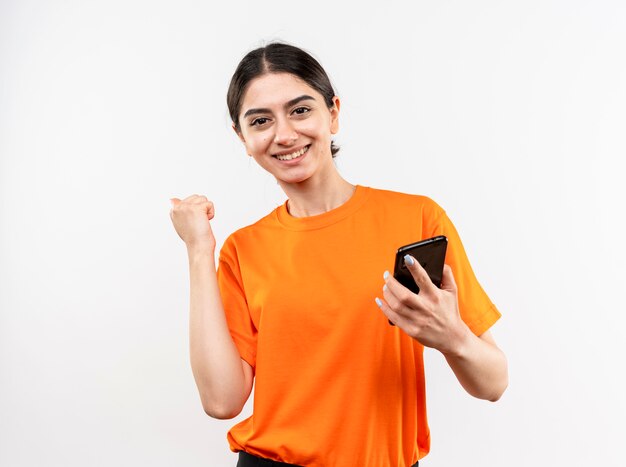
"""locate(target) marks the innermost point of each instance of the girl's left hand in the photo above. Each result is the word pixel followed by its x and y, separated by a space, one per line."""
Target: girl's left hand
pixel 432 316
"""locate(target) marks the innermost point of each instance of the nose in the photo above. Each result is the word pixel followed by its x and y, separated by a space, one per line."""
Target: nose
pixel 285 134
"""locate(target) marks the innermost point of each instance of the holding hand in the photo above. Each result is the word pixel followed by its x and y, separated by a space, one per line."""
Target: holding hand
pixel 432 316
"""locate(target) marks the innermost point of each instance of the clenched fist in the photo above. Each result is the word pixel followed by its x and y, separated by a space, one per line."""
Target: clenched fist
pixel 191 218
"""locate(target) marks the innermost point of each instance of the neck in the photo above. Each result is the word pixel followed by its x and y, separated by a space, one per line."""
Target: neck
pixel 313 197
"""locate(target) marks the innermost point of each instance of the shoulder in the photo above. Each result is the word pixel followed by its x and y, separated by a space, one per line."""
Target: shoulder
pixel 267 225
pixel 400 201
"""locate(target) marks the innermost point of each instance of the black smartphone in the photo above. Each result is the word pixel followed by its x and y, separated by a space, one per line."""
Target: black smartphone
pixel 431 254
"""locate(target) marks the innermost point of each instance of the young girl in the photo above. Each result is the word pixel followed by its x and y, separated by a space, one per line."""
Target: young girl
pixel 301 299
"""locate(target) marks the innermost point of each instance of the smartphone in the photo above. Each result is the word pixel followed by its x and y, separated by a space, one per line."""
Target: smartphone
pixel 431 254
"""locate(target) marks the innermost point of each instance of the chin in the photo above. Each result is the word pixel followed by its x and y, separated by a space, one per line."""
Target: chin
pixel 293 180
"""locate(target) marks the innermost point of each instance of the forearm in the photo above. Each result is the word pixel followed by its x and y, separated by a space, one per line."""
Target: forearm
pixel 215 360
pixel 479 365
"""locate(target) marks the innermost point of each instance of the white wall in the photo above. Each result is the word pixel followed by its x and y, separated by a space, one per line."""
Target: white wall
pixel 509 114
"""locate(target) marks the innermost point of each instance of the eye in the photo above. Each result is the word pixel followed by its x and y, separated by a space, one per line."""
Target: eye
pixel 258 121
pixel 301 110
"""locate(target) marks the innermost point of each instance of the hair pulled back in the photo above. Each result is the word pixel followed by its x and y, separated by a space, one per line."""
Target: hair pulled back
pixel 277 57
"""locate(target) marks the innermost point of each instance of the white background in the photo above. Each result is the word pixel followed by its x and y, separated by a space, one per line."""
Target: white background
pixel 511 115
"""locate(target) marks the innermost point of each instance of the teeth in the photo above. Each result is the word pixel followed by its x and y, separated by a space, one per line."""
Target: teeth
pixel 293 155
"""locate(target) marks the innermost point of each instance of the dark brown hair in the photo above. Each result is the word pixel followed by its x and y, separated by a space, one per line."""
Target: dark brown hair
pixel 277 57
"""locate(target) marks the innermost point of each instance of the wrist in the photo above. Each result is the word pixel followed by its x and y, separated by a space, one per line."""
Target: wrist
pixel 459 342
pixel 200 251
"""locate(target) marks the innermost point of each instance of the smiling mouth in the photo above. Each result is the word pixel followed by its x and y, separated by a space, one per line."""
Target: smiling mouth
pixel 293 155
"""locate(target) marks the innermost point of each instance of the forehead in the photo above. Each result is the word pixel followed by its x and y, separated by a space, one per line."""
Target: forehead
pixel 274 89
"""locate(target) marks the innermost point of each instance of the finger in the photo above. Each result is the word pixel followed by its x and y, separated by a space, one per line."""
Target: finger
pixel 199 199
pixel 174 202
pixel 447 281
pixel 392 300
pixel 190 197
pixel 399 295
pixel 200 204
pixel 419 275
pixel 210 212
pixel 393 317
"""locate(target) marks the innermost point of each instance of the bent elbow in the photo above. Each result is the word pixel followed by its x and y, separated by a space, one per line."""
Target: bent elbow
pixel 496 396
pixel 222 412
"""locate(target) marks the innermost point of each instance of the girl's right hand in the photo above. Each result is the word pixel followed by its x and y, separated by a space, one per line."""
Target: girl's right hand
pixel 191 218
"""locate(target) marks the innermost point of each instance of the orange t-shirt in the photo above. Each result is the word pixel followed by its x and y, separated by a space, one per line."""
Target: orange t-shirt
pixel 335 384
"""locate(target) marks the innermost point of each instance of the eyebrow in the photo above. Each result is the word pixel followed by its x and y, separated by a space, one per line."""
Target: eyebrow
pixel 292 102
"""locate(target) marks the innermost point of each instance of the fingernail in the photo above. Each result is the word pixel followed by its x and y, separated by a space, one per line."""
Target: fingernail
pixel 386 275
pixel 385 288
pixel 378 302
pixel 408 259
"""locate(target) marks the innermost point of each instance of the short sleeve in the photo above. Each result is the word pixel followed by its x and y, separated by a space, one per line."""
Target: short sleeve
pixel 242 329
pixel 475 307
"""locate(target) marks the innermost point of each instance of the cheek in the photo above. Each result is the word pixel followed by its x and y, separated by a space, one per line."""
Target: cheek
pixel 317 128
pixel 259 143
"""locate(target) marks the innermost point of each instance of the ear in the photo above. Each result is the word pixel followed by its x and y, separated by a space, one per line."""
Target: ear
pixel 241 138
pixel 334 115
pixel 238 133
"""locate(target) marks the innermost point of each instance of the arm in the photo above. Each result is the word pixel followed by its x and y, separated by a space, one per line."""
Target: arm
pixel 480 366
pixel 432 317
pixel 224 380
